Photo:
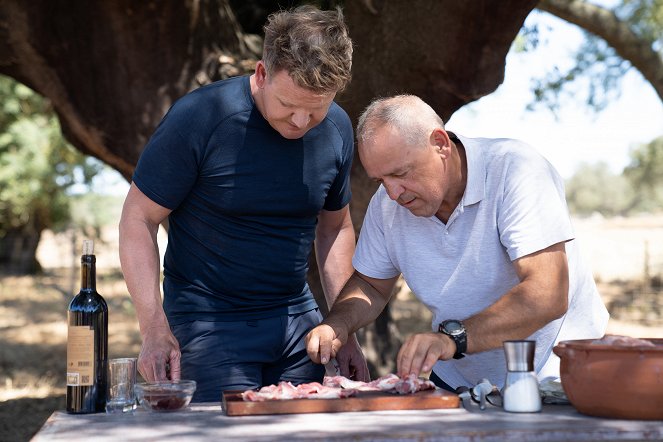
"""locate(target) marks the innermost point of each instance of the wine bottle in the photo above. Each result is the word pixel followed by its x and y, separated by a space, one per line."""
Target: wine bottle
pixel 87 342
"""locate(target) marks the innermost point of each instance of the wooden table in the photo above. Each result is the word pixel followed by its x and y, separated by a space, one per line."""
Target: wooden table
pixel 206 422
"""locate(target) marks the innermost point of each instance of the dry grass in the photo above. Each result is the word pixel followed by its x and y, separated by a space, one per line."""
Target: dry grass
pixel 33 335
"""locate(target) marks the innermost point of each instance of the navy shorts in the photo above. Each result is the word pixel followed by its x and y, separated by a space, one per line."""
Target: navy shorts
pixel 239 355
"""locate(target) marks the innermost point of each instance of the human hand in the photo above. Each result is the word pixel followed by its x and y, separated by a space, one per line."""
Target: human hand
pixel 422 350
pixel 323 343
pixel 352 362
pixel 159 358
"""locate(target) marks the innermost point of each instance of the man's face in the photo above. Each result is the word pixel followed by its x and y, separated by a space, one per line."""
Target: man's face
pixel 413 176
pixel 290 109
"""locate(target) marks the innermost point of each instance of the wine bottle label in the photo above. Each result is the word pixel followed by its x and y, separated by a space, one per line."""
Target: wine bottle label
pixel 80 356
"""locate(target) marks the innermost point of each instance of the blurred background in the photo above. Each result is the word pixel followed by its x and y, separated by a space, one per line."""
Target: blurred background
pixel 581 100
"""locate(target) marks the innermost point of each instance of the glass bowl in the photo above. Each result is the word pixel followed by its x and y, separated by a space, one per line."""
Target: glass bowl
pixel 165 396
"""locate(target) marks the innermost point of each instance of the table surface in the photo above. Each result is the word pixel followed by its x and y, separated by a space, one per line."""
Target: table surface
pixel 207 422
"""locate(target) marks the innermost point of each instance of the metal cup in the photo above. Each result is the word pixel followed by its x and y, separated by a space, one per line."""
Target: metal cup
pixel 121 397
pixel 519 355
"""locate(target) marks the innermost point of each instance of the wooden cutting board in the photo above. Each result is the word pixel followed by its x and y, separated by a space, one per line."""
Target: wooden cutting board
pixel 234 405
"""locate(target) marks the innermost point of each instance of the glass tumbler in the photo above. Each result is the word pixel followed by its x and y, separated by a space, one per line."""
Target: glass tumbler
pixel 121 397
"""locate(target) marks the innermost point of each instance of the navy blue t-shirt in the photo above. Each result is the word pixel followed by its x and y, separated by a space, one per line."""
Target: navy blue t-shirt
pixel 244 203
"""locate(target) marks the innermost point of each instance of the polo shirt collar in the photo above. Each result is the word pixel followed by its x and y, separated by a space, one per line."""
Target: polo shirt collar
pixel 476 172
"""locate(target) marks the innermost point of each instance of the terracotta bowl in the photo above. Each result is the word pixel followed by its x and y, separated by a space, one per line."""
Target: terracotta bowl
pixel 613 381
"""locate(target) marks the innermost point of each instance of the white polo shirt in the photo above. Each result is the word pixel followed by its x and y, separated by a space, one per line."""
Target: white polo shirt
pixel 513 205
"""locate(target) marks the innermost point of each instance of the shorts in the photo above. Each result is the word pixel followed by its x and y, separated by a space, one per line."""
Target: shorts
pixel 241 355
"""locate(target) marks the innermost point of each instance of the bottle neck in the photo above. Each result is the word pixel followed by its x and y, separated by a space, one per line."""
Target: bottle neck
pixel 88 273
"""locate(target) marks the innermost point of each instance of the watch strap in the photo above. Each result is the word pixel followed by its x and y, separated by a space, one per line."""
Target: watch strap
pixel 460 339
pixel 461 345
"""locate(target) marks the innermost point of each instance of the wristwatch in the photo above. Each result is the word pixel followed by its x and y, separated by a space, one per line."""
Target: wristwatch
pixel 456 331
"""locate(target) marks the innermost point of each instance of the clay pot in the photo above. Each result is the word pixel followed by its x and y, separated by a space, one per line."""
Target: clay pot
pixel 611 380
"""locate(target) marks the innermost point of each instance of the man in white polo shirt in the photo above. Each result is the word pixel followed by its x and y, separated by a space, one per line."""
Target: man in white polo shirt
pixel 480 231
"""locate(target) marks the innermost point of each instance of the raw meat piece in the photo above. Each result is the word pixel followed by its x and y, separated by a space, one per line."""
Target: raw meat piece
pixel 285 391
pixel 386 383
pixel 343 382
pixel 389 383
pixel 406 385
pixel 333 381
pixel 623 341
pixel 412 384
pixel 310 388
pixel 332 393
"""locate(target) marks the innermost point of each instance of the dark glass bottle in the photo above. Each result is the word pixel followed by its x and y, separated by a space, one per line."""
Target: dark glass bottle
pixel 87 342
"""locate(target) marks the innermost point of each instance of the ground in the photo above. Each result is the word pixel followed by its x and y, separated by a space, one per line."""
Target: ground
pixel 33 343
pixel 33 313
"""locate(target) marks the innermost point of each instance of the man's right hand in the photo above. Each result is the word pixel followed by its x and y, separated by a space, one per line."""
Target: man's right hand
pixel 322 343
pixel 159 358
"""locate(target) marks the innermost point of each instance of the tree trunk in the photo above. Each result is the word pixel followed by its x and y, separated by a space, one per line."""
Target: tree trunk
pixel 18 250
pixel 113 68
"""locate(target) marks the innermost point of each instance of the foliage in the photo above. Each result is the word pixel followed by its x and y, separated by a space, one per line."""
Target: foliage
pixel 598 70
pixel 597 74
pixel 645 18
pixel 639 188
pixel 37 165
pixel 91 211
pixel 645 174
pixel 594 188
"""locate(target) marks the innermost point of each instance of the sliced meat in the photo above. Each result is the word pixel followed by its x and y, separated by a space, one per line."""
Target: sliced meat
pixel 623 341
pixel 286 391
pixel 334 387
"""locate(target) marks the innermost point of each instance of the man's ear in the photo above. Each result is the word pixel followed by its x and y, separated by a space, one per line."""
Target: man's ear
pixel 260 74
pixel 440 139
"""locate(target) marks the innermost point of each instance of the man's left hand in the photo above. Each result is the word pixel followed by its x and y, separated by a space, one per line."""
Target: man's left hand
pixel 422 350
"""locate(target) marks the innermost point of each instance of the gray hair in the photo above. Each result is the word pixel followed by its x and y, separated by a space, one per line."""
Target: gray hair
pixel 408 114
pixel 312 46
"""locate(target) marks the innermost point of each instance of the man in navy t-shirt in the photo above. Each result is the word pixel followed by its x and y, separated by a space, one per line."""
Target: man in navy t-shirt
pixel 249 172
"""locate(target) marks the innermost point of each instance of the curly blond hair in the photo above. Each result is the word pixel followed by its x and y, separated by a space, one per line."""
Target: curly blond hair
pixel 313 46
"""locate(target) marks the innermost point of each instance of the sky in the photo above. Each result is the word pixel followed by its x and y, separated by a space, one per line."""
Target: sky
pixel 576 135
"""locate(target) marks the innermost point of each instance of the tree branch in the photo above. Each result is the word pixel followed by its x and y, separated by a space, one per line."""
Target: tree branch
pixel 604 24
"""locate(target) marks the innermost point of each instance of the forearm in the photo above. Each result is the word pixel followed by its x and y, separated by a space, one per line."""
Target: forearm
pixel 334 252
pixel 139 259
pixel 358 304
pixel 540 297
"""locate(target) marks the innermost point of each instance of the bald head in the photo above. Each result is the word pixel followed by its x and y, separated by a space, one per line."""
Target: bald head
pixel 409 115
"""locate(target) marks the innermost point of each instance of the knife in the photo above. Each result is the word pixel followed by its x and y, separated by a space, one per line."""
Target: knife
pixel 332 368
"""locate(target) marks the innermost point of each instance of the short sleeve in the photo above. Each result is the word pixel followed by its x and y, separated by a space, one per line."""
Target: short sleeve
pixel 372 257
pixel 168 166
pixel 533 214
pixel 340 192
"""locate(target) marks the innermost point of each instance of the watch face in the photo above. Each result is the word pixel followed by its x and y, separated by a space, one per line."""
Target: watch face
pixel 453 327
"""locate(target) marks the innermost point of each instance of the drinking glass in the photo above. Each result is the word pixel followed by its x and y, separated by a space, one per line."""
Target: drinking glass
pixel 121 397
